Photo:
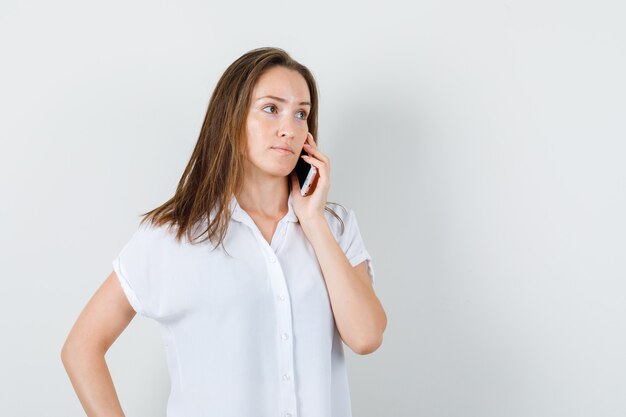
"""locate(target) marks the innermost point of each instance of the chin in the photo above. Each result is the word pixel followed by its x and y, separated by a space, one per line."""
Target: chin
pixel 277 171
pixel 281 170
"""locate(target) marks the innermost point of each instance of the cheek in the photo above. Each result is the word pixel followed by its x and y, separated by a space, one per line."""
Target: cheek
pixel 255 144
pixel 252 132
pixel 257 128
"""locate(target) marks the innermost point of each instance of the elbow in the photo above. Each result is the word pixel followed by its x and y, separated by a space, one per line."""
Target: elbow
pixel 64 351
pixel 67 353
pixel 74 350
pixel 66 358
pixel 368 346
pixel 372 342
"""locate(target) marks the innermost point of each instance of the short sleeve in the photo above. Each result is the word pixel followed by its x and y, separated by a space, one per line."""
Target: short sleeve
pixel 351 241
pixel 136 268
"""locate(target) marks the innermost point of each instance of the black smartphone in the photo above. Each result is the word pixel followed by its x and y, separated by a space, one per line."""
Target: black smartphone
pixel 306 174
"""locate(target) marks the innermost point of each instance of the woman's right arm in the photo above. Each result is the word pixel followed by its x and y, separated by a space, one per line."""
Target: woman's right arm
pixel 103 319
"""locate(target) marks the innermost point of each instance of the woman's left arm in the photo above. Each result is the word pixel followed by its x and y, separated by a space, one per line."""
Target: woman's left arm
pixel 358 313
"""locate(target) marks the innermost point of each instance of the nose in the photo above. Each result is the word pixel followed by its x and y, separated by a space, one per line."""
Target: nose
pixel 287 129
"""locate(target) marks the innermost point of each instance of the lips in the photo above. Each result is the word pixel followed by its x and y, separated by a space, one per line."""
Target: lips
pixel 285 148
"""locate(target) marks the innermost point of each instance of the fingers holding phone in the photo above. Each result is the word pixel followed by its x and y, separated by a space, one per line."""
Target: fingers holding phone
pixel 306 171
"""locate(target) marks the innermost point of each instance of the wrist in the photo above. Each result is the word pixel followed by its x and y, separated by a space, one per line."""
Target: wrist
pixel 312 222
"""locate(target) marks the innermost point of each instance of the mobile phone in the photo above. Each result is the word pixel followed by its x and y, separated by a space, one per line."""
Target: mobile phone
pixel 306 174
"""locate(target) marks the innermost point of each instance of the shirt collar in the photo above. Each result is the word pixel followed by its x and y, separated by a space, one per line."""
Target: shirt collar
pixel 240 215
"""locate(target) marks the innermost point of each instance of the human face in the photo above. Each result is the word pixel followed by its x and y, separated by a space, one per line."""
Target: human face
pixel 277 121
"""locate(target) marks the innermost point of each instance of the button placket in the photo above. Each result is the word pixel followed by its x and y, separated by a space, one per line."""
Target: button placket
pixel 278 284
pixel 284 323
pixel 279 235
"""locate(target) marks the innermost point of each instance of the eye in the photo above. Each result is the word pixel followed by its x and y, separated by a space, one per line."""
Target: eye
pixel 303 114
pixel 271 105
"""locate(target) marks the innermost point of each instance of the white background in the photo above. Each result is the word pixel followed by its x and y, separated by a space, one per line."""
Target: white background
pixel 481 145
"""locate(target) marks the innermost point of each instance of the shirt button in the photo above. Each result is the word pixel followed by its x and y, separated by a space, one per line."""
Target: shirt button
pixel 285 377
pixel 287 414
pixel 282 232
pixel 285 336
pixel 281 297
pixel 272 259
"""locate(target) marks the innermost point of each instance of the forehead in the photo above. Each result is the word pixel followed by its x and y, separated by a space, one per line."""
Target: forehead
pixel 282 82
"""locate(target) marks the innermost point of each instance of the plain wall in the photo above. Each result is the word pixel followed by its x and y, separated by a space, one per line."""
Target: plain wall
pixel 481 145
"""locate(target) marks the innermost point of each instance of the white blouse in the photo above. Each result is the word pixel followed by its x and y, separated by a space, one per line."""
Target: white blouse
pixel 251 334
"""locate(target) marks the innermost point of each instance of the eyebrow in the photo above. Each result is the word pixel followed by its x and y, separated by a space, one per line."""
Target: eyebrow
pixel 282 100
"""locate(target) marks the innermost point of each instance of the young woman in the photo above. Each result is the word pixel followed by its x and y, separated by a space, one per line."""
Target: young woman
pixel 253 315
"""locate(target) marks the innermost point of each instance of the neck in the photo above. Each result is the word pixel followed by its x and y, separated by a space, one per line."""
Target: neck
pixel 266 198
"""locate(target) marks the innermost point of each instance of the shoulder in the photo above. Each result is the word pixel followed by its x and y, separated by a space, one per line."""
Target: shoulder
pixel 154 238
pixel 339 216
pixel 149 232
pixel 344 226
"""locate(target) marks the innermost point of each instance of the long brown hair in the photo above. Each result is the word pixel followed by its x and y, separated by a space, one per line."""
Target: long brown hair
pixel 215 171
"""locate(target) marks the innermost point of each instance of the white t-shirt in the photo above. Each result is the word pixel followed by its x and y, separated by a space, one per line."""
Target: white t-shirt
pixel 247 335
